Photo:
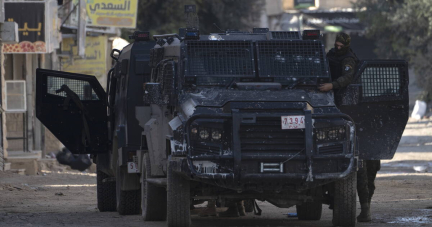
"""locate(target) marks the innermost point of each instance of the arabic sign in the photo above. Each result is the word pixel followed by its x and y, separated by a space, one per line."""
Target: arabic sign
pixel 301 4
pixel 30 17
pixel 112 13
pixel 94 63
pixel 343 20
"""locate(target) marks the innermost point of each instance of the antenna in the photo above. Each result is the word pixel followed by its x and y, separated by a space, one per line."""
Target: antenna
pixel 218 27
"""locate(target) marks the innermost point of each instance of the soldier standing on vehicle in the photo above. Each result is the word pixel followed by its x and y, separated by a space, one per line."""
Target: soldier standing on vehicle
pixel 342 62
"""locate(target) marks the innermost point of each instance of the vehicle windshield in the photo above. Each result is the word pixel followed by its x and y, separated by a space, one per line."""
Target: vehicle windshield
pixel 221 63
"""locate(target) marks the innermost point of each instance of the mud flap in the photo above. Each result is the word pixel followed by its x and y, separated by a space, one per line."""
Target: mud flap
pixel 382 110
pixel 73 107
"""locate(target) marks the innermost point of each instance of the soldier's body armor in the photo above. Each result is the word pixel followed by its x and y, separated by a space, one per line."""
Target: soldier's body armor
pixel 335 62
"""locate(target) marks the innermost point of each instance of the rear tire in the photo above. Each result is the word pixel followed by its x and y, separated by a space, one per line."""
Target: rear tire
pixel 310 211
pixel 249 205
pixel 153 198
pixel 128 202
pixel 106 192
pixel 344 211
pixel 178 199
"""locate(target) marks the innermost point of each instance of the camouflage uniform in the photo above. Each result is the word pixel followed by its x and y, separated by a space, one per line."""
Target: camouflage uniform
pixel 366 180
pixel 342 62
pixel 346 64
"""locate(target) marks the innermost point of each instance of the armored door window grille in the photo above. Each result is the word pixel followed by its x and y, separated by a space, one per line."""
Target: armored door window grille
pixel 82 88
pixel 219 58
pixel 381 81
pixel 168 78
pixel 291 58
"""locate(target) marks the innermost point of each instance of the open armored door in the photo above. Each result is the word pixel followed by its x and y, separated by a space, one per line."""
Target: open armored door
pixel 382 110
pixel 73 107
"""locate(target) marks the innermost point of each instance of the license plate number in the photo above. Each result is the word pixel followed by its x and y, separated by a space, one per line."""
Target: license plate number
pixel 293 122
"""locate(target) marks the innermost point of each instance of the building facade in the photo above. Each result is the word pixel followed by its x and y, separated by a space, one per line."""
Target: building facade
pixel 73 36
pixel 328 16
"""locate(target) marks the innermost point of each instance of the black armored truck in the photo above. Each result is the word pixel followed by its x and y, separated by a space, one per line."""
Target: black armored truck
pixel 228 116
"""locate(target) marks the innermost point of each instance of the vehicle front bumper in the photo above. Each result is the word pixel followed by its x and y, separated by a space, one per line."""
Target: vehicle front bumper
pixel 309 155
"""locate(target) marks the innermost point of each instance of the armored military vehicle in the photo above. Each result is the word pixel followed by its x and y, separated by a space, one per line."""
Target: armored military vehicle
pixel 226 116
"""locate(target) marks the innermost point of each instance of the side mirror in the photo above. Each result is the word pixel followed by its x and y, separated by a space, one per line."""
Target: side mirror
pixel 349 96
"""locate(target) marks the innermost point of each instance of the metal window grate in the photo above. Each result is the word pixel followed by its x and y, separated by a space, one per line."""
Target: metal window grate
pixel 156 55
pixel 168 81
pixel 228 58
pixel 82 88
pixel 296 58
pixel 292 35
pixel 381 80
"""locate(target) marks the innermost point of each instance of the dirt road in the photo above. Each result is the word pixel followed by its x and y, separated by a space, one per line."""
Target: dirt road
pixel 403 196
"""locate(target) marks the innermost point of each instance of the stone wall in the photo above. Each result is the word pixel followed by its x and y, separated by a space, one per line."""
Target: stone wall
pixel 52 144
pixel 14 128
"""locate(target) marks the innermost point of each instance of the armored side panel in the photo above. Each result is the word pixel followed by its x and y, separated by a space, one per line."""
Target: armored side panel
pixel 381 111
pixel 133 71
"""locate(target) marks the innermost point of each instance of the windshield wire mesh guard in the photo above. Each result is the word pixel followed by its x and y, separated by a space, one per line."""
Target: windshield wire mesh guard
pixel 284 35
pixel 295 58
pixel 219 58
pixel 381 80
pixel 82 88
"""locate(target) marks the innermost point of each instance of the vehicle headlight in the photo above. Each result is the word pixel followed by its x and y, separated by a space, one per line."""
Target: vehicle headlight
pixel 204 134
pixel 321 135
pixel 216 135
pixel 333 134
pixel 329 134
pixel 194 131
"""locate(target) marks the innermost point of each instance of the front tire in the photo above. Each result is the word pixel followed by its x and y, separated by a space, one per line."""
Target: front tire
pixel 128 202
pixel 249 205
pixel 153 198
pixel 344 211
pixel 106 192
pixel 178 206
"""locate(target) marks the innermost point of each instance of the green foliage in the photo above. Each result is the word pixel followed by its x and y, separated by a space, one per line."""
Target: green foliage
pixel 402 29
pixel 167 16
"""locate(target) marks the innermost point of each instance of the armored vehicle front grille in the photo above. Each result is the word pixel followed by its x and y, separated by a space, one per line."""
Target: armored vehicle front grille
pixel 228 58
pixel 332 149
pixel 294 58
pixel 267 135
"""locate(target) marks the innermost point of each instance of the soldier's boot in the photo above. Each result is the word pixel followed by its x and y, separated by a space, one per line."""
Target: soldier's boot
pixel 232 212
pixel 365 215
pixel 210 210
pixel 241 208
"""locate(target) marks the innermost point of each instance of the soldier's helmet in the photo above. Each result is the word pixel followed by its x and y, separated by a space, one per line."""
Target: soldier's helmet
pixel 343 38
